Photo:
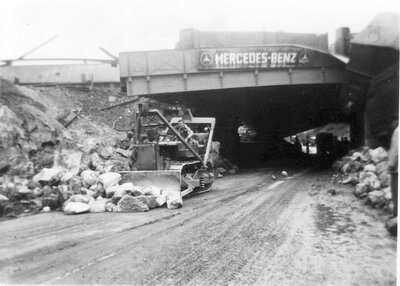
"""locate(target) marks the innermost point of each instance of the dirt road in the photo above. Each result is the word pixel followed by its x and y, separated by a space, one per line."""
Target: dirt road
pixel 248 230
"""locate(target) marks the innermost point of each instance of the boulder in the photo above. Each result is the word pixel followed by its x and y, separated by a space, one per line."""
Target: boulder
pixel 98 205
pixel 79 199
pixel 64 192
pixel 376 197
pixel 381 167
pixel 47 175
pixel 370 179
pixel 384 179
pixel 109 179
pixel 161 199
pixel 118 194
pixel 147 191
pixel 3 198
pixel 174 200
pixel 98 190
pixel 388 194
pixel 46 209
pixel 377 155
pixel 75 208
pixel 284 173
pixel 90 177
pixel 150 201
pixel 75 184
pixel 131 204
pixel 361 188
pixel 369 168
pixel 68 160
pixel 110 191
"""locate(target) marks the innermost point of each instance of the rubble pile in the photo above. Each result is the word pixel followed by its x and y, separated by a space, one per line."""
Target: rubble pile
pixel 55 159
pixel 367 170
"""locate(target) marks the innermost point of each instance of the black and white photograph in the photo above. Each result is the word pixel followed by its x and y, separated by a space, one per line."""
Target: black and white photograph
pixel 199 142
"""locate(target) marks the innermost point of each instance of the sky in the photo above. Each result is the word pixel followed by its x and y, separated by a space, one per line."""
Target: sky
pixel 81 26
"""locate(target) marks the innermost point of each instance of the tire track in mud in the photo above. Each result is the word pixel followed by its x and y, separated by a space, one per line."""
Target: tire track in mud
pixel 227 252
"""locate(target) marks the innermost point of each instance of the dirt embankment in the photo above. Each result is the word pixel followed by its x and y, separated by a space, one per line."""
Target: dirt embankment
pixel 47 127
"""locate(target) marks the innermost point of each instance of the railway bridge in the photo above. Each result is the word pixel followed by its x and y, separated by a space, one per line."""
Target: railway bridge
pixel 279 90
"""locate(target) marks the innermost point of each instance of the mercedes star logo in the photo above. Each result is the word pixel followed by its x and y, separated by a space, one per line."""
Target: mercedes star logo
pixel 206 59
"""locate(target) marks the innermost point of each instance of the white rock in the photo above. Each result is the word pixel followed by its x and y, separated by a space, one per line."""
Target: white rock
pixel 90 177
pixel 361 188
pixel 110 191
pixel 109 179
pixel 46 209
pixel 3 198
pixel 79 199
pixel 75 208
pixel 48 174
pixel 161 199
pixel 174 200
pixel 379 154
pixel 376 197
pixel 128 187
pixel 284 173
pixel 370 168
pixel 98 205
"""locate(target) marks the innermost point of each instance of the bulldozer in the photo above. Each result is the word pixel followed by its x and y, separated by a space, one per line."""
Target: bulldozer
pixel 163 158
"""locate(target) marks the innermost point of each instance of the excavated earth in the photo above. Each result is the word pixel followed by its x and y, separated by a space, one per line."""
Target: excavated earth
pixel 249 230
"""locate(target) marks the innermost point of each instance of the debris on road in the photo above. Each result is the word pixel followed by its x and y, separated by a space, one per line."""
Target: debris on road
pixel 367 170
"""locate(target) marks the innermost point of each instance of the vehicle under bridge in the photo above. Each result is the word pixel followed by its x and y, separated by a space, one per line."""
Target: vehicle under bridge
pixel 279 90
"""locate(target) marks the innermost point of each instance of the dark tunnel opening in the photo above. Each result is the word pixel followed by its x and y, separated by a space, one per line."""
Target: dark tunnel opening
pixel 272 112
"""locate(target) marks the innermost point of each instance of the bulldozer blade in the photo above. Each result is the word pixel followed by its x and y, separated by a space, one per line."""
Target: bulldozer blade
pixel 168 181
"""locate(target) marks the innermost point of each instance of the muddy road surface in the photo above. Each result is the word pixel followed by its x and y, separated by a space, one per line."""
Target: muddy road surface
pixel 250 230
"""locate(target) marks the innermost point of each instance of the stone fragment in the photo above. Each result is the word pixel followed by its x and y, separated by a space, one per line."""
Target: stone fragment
pixel 284 173
pixel 75 185
pixel 46 175
pixel 174 200
pixel 75 208
pixel 131 204
pixel 110 191
pixel 369 168
pixel 98 205
pixel 377 155
pixel 381 167
pixel 109 179
pixel 46 209
pixel 384 179
pixel 118 194
pixel 3 198
pixel 90 177
pixel 361 188
pixel 150 201
pixel 79 199
pixel 376 197
pixel 161 199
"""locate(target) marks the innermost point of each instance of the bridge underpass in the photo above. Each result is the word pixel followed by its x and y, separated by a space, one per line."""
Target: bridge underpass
pixel 274 112
pixel 284 90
